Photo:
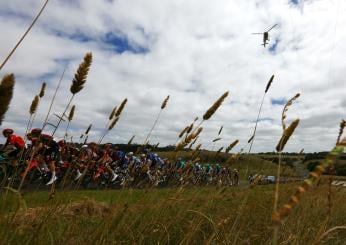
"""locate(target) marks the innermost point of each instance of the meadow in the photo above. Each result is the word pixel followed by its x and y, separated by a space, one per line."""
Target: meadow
pixel 228 215
pixel 307 211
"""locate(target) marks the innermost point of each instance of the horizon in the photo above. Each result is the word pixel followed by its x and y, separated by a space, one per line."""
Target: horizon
pixel 193 52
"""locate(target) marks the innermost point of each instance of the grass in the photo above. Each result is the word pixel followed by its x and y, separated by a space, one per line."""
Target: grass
pixel 190 216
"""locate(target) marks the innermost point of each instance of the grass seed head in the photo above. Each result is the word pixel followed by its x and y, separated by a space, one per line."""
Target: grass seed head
pixel 112 113
pixel 219 150
pixel 71 114
pixel 34 105
pixel 220 130
pixel 88 129
pixel 43 89
pixel 288 104
pixel 215 106
pixel 217 139
pixel 189 128
pixel 230 147
pixel 115 120
pixel 269 83
pixel 130 141
pixel 286 135
pixel 6 93
pixel 164 103
pixel 183 131
pixel 251 139
pixel 81 74
pixel 121 107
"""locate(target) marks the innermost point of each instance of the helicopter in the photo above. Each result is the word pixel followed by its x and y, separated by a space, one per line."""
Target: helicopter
pixel 265 35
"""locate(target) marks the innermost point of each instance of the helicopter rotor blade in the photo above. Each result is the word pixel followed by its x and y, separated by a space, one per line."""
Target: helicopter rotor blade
pixel 257 33
pixel 272 28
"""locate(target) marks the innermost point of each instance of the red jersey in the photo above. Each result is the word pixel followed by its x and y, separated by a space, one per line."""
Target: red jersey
pixel 16 141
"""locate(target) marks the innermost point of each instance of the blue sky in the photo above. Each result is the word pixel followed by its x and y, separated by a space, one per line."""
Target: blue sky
pixel 194 51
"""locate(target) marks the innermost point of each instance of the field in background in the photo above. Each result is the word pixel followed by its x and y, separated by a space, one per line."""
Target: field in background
pixel 238 215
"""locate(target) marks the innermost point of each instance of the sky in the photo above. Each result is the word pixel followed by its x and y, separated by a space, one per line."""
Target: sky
pixel 193 51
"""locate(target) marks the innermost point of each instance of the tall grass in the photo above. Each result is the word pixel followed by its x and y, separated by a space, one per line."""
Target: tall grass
pixel 24 35
pixel 286 134
pixel 77 85
pixel 6 93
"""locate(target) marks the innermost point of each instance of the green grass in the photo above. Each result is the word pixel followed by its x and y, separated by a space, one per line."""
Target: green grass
pixel 236 215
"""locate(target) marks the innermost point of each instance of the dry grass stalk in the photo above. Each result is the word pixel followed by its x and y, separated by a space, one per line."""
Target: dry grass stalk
pixel 111 126
pixel 252 139
pixel 234 158
pixel 52 100
pixel 220 130
pixel 157 145
pixel 88 129
pixel 111 116
pixel 86 139
pixel 197 133
pixel 71 114
pixel 269 83
pixel 330 172
pixel 121 108
pixel 325 234
pixel 77 83
pixel 183 131
pixel 196 152
pixel 70 117
pixel 230 147
pixel 189 138
pixel 219 150
pixel 24 35
pixel 286 135
pixel 131 140
pixel 34 105
pixel 43 90
pixel 164 103
pixel 279 216
pixel 287 132
pixel 217 139
pixel 341 130
pixel 288 104
pixel 6 93
pixel 193 142
pixel 198 147
pixel 215 106
pixel 81 74
pixel 189 128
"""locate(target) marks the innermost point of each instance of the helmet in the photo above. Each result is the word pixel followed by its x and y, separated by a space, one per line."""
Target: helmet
pixel 35 132
pixel 7 131
pixel 62 142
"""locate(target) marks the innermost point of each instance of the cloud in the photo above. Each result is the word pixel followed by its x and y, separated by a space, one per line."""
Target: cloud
pixel 194 51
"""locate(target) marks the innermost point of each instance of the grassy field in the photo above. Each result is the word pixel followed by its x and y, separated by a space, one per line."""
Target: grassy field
pixel 232 215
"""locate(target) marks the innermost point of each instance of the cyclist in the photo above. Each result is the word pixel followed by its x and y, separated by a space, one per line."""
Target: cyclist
pixel 48 148
pixel 15 141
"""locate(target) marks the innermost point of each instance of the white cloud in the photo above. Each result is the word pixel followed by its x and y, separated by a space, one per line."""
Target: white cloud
pixel 196 50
